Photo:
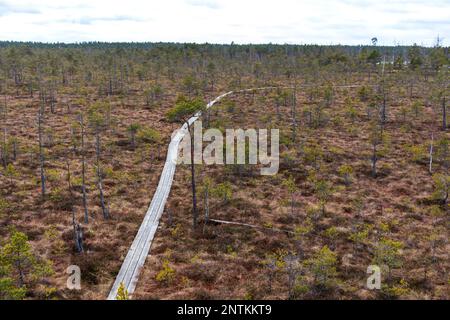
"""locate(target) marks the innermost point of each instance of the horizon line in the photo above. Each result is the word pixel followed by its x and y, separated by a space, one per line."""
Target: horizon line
pixel 216 43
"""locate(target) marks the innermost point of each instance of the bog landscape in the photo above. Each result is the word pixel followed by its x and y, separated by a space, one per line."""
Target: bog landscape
pixel 224 157
pixel 361 190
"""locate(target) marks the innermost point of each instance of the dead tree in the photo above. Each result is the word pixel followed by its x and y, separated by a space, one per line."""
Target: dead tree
pixel 430 169
pixel 294 112
pixel 206 191
pixel 52 100
pixel 77 230
pixel 78 233
pixel 377 137
pixel 83 172
pixel 184 111
pixel 383 114
pixel 193 186
pixel 99 175
pixel 97 122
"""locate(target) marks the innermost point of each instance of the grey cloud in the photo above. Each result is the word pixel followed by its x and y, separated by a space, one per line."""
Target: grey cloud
pixel 7 8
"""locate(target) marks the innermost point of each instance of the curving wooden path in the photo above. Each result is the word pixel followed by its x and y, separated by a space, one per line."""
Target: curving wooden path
pixel 138 252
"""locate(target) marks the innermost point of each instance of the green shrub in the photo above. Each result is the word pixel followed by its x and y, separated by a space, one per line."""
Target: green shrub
pixel 122 293
pixel 167 274
pixel 417 153
pixel 346 171
pixel 387 252
pixel 20 268
pixel 441 187
pixel 148 135
pixel 323 268
pixel 223 191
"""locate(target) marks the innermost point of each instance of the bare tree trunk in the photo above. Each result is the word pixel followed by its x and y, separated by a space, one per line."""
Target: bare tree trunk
pixel 206 207
pixel 83 172
pixel 69 183
pixel 383 109
pixel 21 274
pixel 294 113
pixel 99 176
pixel 169 217
pixel 194 194
pixel 77 232
pixel 277 106
pixel 430 169
pixel 52 101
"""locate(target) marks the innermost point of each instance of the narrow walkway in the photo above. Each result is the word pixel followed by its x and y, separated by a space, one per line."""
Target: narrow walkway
pixel 137 254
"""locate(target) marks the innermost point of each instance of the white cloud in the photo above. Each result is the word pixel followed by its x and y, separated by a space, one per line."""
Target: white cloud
pixel 224 21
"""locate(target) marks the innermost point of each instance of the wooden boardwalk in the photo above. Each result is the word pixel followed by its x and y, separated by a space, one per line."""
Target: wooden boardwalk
pixel 140 248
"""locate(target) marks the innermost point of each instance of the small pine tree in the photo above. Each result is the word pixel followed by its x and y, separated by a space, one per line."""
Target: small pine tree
pixel 441 188
pixel 346 171
pixel 133 129
pixel 380 141
pixel 417 153
pixel 387 253
pixel 11 172
pixel 323 190
pixel 148 135
pixel 19 267
pixel 183 111
pixel 224 191
pixel 166 274
pixel 323 267
pixel 416 108
pixel 292 189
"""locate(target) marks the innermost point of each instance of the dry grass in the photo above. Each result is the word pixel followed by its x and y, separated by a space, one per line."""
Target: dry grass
pixel 227 262
pixel 221 261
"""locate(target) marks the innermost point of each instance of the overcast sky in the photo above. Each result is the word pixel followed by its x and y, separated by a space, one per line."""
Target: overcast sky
pixel 224 21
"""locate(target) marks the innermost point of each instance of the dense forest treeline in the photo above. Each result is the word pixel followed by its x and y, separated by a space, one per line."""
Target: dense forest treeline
pixel 346 52
pixel 27 63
